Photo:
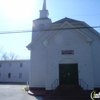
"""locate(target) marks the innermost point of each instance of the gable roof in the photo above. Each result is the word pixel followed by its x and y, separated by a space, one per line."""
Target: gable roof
pixel 66 19
pixel 53 33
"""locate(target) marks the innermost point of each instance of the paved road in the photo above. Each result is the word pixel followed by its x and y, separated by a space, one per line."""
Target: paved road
pixel 15 92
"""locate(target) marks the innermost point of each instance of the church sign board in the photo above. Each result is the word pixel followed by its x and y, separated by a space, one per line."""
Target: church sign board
pixel 67 52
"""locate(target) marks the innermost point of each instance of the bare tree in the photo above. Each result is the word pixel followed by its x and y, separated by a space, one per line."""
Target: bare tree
pixel 5 56
pixel 1 52
pixel 13 56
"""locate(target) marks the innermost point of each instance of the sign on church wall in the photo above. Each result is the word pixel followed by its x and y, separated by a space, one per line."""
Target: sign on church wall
pixel 67 52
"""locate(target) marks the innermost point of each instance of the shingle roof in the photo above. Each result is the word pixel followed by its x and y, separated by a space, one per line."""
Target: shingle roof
pixel 66 19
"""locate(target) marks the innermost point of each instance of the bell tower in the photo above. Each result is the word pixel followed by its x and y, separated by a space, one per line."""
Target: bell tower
pixel 41 23
pixel 44 13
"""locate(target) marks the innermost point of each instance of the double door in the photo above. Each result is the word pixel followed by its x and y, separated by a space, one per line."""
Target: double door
pixel 68 74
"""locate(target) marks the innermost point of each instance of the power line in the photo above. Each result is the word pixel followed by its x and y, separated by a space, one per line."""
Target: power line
pixel 27 31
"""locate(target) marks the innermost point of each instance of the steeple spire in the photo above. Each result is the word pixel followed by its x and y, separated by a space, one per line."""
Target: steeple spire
pixel 44 13
pixel 44 5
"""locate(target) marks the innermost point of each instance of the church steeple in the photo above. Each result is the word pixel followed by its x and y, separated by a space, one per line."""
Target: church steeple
pixel 44 5
pixel 42 22
pixel 44 13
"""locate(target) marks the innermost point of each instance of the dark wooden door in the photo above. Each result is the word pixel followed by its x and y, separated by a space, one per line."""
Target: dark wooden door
pixel 68 74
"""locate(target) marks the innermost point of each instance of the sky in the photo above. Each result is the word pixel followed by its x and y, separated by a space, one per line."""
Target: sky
pixel 17 15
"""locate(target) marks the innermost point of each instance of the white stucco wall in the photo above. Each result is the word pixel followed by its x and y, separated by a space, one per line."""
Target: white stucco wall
pixel 68 40
pixel 45 60
pixel 35 28
pixel 38 66
pixel 49 56
pixel 95 52
pixel 14 68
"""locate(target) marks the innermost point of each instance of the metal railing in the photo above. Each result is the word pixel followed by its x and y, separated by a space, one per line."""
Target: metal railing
pixel 55 84
pixel 83 84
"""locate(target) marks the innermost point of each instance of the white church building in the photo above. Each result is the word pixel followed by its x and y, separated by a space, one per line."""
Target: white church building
pixel 65 52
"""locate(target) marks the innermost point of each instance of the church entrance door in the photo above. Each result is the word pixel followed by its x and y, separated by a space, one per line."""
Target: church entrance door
pixel 68 74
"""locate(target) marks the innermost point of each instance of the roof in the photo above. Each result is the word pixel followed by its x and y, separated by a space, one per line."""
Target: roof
pixel 42 19
pixel 66 19
pixel 14 60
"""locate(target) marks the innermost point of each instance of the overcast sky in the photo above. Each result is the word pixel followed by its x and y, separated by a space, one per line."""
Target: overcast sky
pixel 18 15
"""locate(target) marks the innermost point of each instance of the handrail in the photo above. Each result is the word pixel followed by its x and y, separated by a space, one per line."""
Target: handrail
pixel 82 83
pixel 55 84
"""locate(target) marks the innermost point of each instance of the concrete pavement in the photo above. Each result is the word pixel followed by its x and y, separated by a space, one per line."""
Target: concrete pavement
pixel 15 92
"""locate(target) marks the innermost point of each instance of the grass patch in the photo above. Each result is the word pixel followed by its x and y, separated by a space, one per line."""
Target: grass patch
pixel 25 89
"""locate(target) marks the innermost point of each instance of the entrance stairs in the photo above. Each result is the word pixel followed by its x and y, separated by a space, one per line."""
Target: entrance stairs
pixel 68 92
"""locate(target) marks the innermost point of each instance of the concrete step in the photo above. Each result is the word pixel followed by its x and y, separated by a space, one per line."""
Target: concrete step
pixel 66 99
pixel 47 98
pixel 69 86
pixel 68 93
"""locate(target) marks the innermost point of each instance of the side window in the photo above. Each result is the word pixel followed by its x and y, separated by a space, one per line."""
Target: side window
pixel 21 65
pixel 0 65
pixel 9 75
pixel 0 75
pixel 20 75
pixel 9 64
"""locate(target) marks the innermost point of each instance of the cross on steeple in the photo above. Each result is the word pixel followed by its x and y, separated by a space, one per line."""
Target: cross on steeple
pixel 44 13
